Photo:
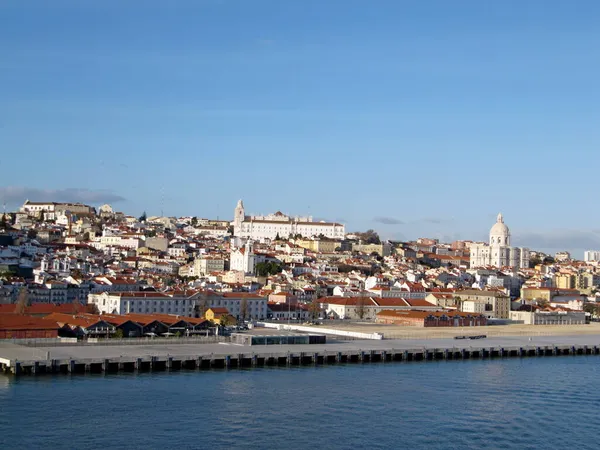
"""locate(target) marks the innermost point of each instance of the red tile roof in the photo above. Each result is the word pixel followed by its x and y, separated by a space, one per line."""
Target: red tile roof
pixel 10 322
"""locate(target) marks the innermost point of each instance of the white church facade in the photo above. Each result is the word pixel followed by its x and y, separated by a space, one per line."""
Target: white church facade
pixel 243 259
pixel 278 224
pixel 498 252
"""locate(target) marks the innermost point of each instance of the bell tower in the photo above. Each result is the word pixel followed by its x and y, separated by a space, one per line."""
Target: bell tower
pixel 238 216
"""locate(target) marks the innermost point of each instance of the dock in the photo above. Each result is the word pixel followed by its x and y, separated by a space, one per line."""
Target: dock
pixel 22 360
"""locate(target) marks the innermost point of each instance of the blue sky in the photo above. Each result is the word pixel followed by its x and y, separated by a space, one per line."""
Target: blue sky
pixel 413 118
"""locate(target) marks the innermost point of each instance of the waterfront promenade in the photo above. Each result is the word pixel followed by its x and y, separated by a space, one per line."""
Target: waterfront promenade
pixel 19 359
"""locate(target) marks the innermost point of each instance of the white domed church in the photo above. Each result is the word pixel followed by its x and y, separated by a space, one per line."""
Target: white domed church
pixel 498 252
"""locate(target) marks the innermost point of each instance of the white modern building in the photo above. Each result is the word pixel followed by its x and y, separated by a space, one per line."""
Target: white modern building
pixel 591 255
pixel 279 224
pixel 498 252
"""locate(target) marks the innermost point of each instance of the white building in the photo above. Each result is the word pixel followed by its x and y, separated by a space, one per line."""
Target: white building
pixel 208 264
pixel 278 224
pixel 243 259
pixel 498 252
pixel 591 255
pixel 190 304
pixel 52 209
pixel 548 317
pixel 562 256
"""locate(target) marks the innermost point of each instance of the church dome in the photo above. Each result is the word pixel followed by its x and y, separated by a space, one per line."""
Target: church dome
pixel 500 234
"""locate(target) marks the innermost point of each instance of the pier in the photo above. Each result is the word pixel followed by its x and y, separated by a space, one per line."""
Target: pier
pixel 22 360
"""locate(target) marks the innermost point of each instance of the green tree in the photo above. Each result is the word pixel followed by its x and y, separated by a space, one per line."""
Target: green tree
pixel 118 334
pixel 591 308
pixel 543 303
pixel 370 237
pixel 534 262
pixel 6 274
pixel 264 269
pixel 143 217
pixel 226 320
pixel 194 221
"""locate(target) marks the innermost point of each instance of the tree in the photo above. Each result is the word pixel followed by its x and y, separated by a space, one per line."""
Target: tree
pixel 201 305
pixel 370 237
pixel 6 274
pixel 534 262
pixel 194 221
pixel 264 269
pixel 361 310
pixel 118 334
pixel 92 308
pixel 543 303
pixel 592 308
pixel 244 308
pixel 314 309
pixel 22 301
pixel 143 217
pixel 226 320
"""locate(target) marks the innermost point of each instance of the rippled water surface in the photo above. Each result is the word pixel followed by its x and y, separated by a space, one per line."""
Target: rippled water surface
pixel 545 403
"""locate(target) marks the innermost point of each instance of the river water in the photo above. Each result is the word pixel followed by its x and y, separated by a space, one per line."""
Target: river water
pixel 537 403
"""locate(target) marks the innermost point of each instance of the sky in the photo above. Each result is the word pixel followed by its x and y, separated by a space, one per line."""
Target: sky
pixel 413 118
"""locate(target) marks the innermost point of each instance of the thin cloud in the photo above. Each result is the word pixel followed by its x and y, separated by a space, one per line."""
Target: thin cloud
pixel 434 220
pixel 393 221
pixel 388 220
pixel 15 195
pixel 559 240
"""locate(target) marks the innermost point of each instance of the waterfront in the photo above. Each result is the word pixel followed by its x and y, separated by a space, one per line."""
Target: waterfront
pixel 512 403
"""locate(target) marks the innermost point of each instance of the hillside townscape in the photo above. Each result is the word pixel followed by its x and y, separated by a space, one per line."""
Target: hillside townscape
pixel 71 270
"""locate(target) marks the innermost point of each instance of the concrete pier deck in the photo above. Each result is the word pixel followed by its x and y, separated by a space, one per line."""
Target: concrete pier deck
pixel 18 360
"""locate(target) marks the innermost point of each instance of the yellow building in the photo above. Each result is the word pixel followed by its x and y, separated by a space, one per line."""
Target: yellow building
pixel 565 281
pixel 215 315
pixel 545 293
pixel 318 245
pixel 498 302
pixel 380 249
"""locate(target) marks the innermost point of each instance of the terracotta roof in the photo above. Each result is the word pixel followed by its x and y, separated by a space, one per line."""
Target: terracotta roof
pixel 77 320
pixel 24 322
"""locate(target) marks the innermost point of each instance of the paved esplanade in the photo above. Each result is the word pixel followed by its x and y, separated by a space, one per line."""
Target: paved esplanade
pixel 80 352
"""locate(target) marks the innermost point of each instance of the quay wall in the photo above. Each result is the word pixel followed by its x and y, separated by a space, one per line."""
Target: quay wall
pixel 229 356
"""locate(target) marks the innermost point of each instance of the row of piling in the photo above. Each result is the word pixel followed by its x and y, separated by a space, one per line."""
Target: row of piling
pixel 243 360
